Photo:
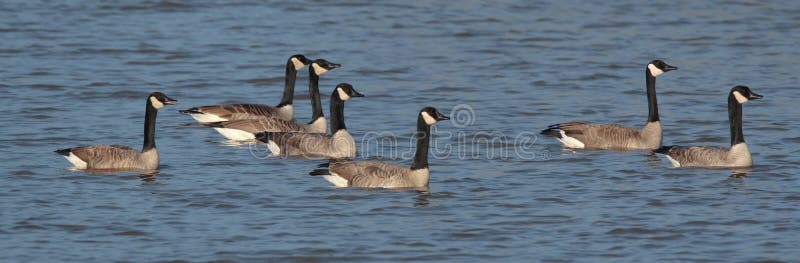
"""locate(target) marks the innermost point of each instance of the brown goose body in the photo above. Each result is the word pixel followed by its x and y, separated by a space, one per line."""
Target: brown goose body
pixel 611 137
pixel 112 157
pixel 242 130
pixel 376 174
pixel 696 156
pixel 230 112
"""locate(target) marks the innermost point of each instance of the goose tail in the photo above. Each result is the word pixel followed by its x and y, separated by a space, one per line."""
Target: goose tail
pixel 263 136
pixel 552 130
pixel 664 149
pixel 214 124
pixel 64 152
pixel 191 111
pixel 320 172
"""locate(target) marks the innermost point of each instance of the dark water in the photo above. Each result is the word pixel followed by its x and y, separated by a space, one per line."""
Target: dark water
pixel 77 72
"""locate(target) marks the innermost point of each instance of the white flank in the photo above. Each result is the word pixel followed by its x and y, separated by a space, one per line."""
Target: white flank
pixel 569 141
pixel 297 64
pixel 318 69
pixel 674 162
pixel 235 135
pixel 654 70
pixel 428 119
pixel 274 148
pixel 336 180
pixel 156 104
pixel 206 118
pixel 77 162
pixel 342 95
pixel 741 99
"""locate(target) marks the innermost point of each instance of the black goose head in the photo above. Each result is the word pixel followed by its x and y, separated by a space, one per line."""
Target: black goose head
pixel 743 94
pixel 658 67
pixel 299 61
pixel 346 91
pixel 430 115
pixel 158 100
pixel 321 66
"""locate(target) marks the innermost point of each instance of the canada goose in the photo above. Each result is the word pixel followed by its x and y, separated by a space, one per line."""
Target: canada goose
pixel 617 137
pixel 123 157
pixel 229 112
pixel 343 173
pixel 243 130
pixel 339 144
pixel 737 156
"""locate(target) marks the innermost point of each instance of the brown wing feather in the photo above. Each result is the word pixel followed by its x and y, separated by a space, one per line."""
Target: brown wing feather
pixel 265 125
pixel 369 174
pixel 108 156
pixel 309 145
pixel 698 156
pixel 240 111
pixel 601 135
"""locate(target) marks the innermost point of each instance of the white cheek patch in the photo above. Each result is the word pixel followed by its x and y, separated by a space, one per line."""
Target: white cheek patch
pixel 342 95
pixel 297 64
pixel 741 99
pixel 156 104
pixel 428 119
pixel 654 70
pixel 319 69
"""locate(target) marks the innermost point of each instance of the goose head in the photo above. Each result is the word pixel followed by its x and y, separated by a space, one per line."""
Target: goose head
pixel 743 94
pixel 321 66
pixel 431 115
pixel 658 67
pixel 299 61
pixel 346 91
pixel 158 100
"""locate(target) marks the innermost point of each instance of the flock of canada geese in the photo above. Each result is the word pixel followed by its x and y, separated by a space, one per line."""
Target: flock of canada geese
pixel 276 127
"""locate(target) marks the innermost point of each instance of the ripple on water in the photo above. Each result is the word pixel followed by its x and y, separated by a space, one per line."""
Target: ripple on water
pixel 65 85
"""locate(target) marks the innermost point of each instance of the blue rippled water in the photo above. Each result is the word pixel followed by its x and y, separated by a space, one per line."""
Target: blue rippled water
pixel 77 72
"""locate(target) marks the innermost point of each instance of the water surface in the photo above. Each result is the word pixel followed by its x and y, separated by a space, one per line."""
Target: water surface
pixel 77 72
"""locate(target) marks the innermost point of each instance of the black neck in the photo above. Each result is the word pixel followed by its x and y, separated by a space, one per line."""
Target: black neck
pixel 423 142
pixel 652 102
pixel 735 118
pixel 149 126
pixel 313 93
pixel 288 87
pixel 337 113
